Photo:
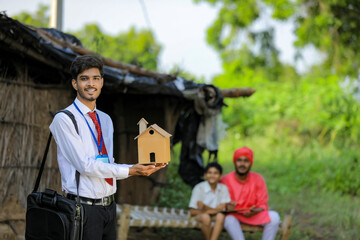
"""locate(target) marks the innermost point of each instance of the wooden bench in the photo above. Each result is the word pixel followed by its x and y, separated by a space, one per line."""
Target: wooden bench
pixel 145 216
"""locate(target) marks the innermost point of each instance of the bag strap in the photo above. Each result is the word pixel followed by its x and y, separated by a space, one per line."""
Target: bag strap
pixel 41 169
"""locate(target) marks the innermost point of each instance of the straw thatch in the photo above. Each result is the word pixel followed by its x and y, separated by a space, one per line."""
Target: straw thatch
pixel 25 114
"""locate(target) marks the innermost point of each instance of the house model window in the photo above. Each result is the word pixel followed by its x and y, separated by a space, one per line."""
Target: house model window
pixel 153 144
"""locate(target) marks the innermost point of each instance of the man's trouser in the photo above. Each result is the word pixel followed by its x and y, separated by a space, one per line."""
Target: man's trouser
pixel 233 227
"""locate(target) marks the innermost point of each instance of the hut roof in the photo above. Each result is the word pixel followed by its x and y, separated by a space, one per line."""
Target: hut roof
pixel 50 50
pixel 47 50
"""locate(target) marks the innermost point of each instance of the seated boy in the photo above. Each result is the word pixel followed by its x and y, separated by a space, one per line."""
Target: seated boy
pixel 208 200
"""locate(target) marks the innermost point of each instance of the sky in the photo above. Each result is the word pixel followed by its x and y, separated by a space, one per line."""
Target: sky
pixel 179 26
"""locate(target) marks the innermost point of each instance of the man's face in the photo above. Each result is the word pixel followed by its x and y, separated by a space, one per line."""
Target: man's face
pixel 242 166
pixel 88 84
pixel 212 175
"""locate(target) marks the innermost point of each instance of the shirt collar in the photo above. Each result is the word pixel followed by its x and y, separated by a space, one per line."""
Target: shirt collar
pixel 208 188
pixel 246 180
pixel 83 108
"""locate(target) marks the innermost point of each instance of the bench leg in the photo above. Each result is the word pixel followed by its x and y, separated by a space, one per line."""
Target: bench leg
pixel 124 222
pixel 286 227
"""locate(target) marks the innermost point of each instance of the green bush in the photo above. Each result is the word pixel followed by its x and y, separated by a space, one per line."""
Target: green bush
pixel 304 133
pixel 177 194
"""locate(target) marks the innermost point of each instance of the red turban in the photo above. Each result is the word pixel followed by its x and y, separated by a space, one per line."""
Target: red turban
pixel 244 152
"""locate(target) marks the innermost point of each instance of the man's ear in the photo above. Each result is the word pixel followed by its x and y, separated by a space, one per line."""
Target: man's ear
pixel 73 82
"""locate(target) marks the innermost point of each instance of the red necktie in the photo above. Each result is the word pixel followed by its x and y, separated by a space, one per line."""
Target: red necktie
pixel 103 149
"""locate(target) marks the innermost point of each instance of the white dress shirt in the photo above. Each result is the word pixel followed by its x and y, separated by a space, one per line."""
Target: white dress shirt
pixel 202 192
pixel 78 152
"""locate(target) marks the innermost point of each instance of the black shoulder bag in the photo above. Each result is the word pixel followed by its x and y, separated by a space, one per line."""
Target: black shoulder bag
pixel 51 215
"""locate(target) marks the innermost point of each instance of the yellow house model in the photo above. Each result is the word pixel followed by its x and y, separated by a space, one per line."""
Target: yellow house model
pixel 153 144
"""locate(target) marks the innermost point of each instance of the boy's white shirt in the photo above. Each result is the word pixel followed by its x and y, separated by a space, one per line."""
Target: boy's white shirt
pixel 202 192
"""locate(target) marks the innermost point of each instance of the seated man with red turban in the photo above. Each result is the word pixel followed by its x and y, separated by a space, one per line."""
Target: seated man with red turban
pixel 248 192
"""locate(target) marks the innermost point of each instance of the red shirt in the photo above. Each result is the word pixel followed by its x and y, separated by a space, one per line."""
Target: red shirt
pixel 250 193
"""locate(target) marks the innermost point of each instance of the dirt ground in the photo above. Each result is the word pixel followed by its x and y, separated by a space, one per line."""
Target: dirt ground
pixel 168 234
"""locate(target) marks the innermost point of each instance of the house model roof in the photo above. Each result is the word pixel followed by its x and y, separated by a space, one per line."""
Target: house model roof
pixel 158 129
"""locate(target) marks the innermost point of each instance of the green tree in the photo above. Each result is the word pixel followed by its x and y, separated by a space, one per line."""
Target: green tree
pixel 330 112
pixel 333 27
pixel 38 19
pixel 179 71
pixel 242 49
pixel 299 125
pixel 138 47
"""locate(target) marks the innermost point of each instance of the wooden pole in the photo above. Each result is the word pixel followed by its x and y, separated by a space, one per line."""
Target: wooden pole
pixel 237 92
pixel 161 78
pixel 56 14
pixel 124 222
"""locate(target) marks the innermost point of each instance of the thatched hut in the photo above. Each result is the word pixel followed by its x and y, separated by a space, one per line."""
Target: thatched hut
pixel 35 84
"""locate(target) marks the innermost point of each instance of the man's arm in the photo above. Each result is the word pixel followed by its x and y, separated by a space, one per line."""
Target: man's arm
pixel 203 208
pixel 261 199
pixel 261 194
pixel 208 210
pixel 145 170
pixel 221 207
pixel 230 205
pixel 194 211
pixel 252 211
pixel 73 149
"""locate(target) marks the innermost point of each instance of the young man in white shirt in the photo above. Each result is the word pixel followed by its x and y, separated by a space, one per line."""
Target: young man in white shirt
pixel 90 152
pixel 208 201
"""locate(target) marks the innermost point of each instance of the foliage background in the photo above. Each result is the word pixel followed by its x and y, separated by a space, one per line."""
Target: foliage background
pixel 303 127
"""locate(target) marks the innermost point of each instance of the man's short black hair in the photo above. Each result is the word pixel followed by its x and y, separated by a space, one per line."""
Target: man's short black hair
pixel 215 165
pixel 85 62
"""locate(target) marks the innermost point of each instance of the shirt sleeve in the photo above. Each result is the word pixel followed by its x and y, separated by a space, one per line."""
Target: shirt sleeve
pixel 225 196
pixel 124 166
pixel 262 194
pixel 73 149
pixel 195 196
